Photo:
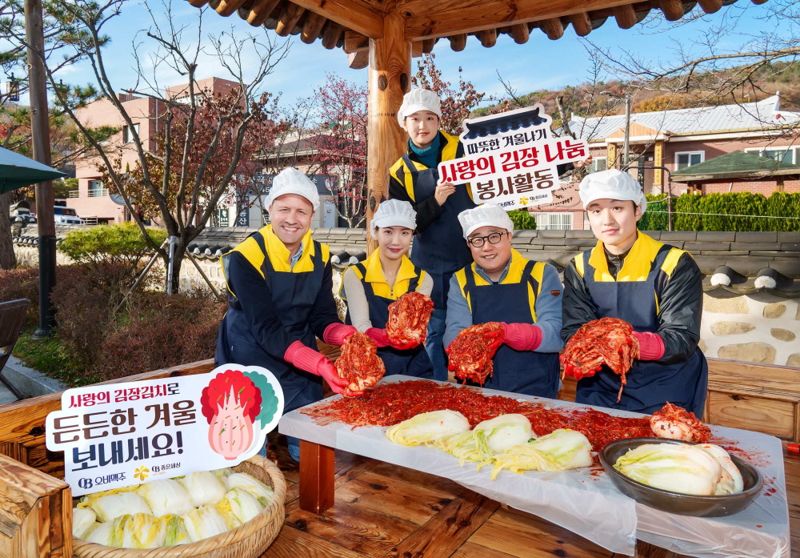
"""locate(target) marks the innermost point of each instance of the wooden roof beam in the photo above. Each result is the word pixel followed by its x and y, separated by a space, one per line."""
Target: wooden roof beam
pixel 288 19
pixel 331 35
pixel 553 28
pixel 358 59
pixel 355 15
pixel 260 11
pixel 710 6
pixel 520 33
pixel 354 41
pixel 487 37
pixel 458 42
pixel 312 27
pixel 625 16
pixel 227 7
pixel 673 9
pixel 581 23
pixel 444 18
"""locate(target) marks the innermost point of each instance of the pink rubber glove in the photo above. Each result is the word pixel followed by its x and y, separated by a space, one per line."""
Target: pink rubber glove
pixel 336 333
pixel 382 339
pixel 522 337
pixel 314 362
pixel 651 345
pixel 378 334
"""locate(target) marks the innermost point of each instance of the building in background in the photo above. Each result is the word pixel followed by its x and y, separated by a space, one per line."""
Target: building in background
pixel 92 200
pixel 667 141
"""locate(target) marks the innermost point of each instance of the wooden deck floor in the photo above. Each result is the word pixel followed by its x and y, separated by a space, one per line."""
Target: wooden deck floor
pixel 383 510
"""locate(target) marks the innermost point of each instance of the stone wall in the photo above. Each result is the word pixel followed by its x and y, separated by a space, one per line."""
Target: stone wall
pixel 758 328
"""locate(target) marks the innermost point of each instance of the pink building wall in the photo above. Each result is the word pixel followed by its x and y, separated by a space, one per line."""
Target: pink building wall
pixel 145 112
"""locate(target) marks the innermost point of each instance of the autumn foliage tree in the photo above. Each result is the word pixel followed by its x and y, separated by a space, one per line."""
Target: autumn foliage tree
pixel 340 147
pixel 203 140
pixel 457 103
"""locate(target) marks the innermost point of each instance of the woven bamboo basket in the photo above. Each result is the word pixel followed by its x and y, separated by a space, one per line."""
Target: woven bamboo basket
pixel 248 541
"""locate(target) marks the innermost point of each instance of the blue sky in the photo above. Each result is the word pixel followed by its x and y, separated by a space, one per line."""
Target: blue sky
pixel 540 63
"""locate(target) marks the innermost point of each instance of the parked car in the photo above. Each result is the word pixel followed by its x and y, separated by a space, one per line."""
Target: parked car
pixel 65 216
pixel 23 212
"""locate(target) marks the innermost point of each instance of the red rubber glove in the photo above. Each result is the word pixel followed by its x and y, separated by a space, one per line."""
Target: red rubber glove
pixel 522 337
pixel 378 334
pixel 336 333
pixel 314 362
pixel 651 345
pixel 382 339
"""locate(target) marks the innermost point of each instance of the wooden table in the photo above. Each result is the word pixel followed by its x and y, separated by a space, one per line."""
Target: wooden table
pixel 768 534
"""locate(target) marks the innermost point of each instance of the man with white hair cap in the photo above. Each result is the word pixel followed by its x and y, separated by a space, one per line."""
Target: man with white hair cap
pixel 438 248
pixel 369 287
pixel 654 286
pixel 503 286
pixel 280 298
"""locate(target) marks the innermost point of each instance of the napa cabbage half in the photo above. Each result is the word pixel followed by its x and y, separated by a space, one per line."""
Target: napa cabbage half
pixel 428 428
pixel 678 468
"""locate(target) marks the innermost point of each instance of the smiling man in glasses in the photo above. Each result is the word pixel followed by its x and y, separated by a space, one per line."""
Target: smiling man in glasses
pixel 502 286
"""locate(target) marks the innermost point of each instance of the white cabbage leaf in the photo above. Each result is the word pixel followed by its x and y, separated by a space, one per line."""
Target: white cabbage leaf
pixel 82 520
pixel 112 504
pixel 560 450
pixel 174 530
pixel 204 488
pixel 428 428
pixel 730 481
pixel 140 530
pixel 100 534
pixel 564 449
pixel 166 496
pixel 261 491
pixel 204 522
pixel 502 432
pixel 677 468
pixel 241 504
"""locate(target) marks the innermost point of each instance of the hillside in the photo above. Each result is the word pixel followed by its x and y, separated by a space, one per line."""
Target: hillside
pixel 604 98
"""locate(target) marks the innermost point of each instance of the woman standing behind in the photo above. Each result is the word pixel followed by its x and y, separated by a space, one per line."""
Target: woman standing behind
pixel 387 274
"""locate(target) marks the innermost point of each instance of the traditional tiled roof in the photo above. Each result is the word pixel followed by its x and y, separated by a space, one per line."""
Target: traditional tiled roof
pixel 752 261
pixel 350 25
pixel 690 121
pixel 736 165
pixel 731 262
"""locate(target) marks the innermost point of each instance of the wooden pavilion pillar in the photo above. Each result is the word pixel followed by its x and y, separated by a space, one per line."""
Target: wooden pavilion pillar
pixel 389 79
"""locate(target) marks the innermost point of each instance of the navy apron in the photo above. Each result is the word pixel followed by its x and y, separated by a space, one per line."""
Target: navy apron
pixel 440 249
pixel 413 362
pixel 649 383
pixel 293 295
pixel 525 372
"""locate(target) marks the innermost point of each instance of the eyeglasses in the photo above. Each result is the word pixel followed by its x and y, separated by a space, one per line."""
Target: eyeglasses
pixel 478 241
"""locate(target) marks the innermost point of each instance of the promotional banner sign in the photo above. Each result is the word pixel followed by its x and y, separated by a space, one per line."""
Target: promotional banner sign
pixel 119 435
pixel 511 159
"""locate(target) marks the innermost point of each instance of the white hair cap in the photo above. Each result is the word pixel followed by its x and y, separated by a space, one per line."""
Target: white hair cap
pixel 487 215
pixel 417 100
pixel 394 213
pixel 292 181
pixel 611 184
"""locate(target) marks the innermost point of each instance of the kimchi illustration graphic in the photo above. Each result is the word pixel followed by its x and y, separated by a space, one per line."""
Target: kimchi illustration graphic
pixel 231 402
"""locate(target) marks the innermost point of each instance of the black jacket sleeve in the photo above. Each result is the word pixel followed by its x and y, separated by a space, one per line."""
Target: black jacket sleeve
pixel 324 312
pixel 577 306
pixel 255 298
pixel 680 299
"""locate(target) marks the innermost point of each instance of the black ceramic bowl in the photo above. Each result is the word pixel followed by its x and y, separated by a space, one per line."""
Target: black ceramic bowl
pixel 674 502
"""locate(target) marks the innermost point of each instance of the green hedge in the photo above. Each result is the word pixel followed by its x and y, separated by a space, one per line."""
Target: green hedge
pixel 523 221
pixel 725 212
pixel 110 243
